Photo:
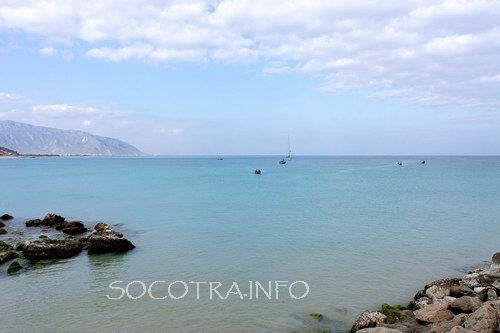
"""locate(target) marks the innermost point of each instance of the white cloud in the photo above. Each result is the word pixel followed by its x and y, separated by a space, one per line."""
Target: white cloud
pixel 426 51
pixel 66 110
pixel 48 51
pixel 9 97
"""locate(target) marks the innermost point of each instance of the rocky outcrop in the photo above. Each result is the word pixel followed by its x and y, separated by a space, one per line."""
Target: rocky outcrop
pixel 52 219
pixel 72 228
pixel 33 223
pixel 50 249
pixel 465 305
pixel 7 256
pixel 105 240
pixel 5 247
pixel 6 217
pixel 2 224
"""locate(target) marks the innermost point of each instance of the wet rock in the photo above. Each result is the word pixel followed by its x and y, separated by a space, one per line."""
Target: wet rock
pixel 368 319
pixel 8 256
pixel 379 330
pixel 108 242
pixel 460 290
pixel 6 217
pixel 43 236
pixel 2 224
pixel 483 320
pixel 317 316
pixel 495 260
pixel 52 219
pixel 33 223
pixel 466 304
pixel 5 247
pixel 14 267
pixel 101 227
pixel 73 228
pixel 433 313
pixel 3 231
pixel 50 249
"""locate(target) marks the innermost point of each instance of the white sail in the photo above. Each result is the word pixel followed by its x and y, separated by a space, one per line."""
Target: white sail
pixel 289 156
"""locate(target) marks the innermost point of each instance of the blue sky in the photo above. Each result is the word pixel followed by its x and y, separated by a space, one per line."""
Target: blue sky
pixel 236 77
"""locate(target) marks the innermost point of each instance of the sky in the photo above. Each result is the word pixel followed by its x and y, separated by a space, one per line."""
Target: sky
pixel 230 77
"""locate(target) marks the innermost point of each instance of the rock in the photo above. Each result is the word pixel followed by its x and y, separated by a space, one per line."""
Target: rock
pixel 3 231
pixel 491 295
pixel 43 236
pixel 460 290
pixel 483 319
pixel 52 219
pixel 8 256
pixel 104 229
pixel 440 288
pixel 379 330
pixel 317 316
pixel 108 242
pixel 33 223
pixel 2 224
pixel 466 304
pixel 5 247
pixel 433 313
pixel 50 249
pixel 419 294
pixel 460 329
pixel 100 227
pixel 482 277
pixel 73 228
pixel 6 217
pixel 422 302
pixel 445 326
pixel 495 260
pixel 368 319
pixel 14 267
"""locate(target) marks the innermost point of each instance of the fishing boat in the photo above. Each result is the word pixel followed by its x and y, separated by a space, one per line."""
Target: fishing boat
pixel 283 161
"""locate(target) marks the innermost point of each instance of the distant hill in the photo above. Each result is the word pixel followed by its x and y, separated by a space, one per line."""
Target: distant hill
pixel 29 139
pixel 5 151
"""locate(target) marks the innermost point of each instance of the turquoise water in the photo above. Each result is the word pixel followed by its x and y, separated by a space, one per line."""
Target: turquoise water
pixel 359 230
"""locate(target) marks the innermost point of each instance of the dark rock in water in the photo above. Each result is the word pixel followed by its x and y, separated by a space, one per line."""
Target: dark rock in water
pixel 2 224
pixel 368 319
pixel 108 242
pixel 101 227
pixel 43 236
pixel 72 228
pixel 14 267
pixel 496 259
pixel 6 217
pixel 3 231
pixel 50 249
pixel 52 219
pixel 8 256
pixel 5 247
pixel 317 316
pixel 33 223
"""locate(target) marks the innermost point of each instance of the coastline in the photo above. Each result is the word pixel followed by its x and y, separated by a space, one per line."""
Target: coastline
pixel 449 305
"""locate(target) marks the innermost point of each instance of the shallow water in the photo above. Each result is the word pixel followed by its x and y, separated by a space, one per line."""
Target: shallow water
pixel 359 230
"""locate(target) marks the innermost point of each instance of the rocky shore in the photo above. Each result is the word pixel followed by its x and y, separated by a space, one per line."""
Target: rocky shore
pixel 56 238
pixel 455 305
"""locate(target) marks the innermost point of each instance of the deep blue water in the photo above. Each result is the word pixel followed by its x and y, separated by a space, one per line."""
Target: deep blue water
pixel 360 231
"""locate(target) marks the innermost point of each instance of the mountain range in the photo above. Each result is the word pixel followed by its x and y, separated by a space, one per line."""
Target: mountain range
pixel 29 139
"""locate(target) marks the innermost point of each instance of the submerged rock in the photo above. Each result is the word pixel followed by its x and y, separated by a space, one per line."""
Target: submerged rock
pixel 50 249
pixel 3 231
pixel 33 223
pixel 2 224
pixel 5 247
pixel 52 219
pixel 6 217
pixel 8 256
pixel 14 267
pixel 72 228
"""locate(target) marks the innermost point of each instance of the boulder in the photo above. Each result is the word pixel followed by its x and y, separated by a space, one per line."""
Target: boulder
pixel 481 278
pixel 52 219
pixel 14 267
pixel 2 224
pixel 491 294
pixel 8 256
pixel 6 217
pixel 72 228
pixel 379 330
pixel 460 290
pixel 495 260
pixel 33 223
pixel 445 326
pixel 466 304
pixel 100 227
pixel 460 329
pixel 433 313
pixel 108 242
pixel 5 247
pixel 50 249
pixel 3 231
pixel 368 319
pixel 483 320
pixel 440 288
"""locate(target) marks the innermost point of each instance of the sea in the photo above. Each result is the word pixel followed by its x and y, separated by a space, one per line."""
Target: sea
pixel 332 235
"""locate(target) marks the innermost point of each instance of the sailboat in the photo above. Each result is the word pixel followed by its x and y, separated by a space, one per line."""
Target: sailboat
pixel 289 156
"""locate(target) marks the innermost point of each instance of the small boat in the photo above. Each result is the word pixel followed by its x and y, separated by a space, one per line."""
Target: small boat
pixel 423 162
pixel 257 171
pixel 399 163
pixel 282 161
pixel 289 156
pixel 219 158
